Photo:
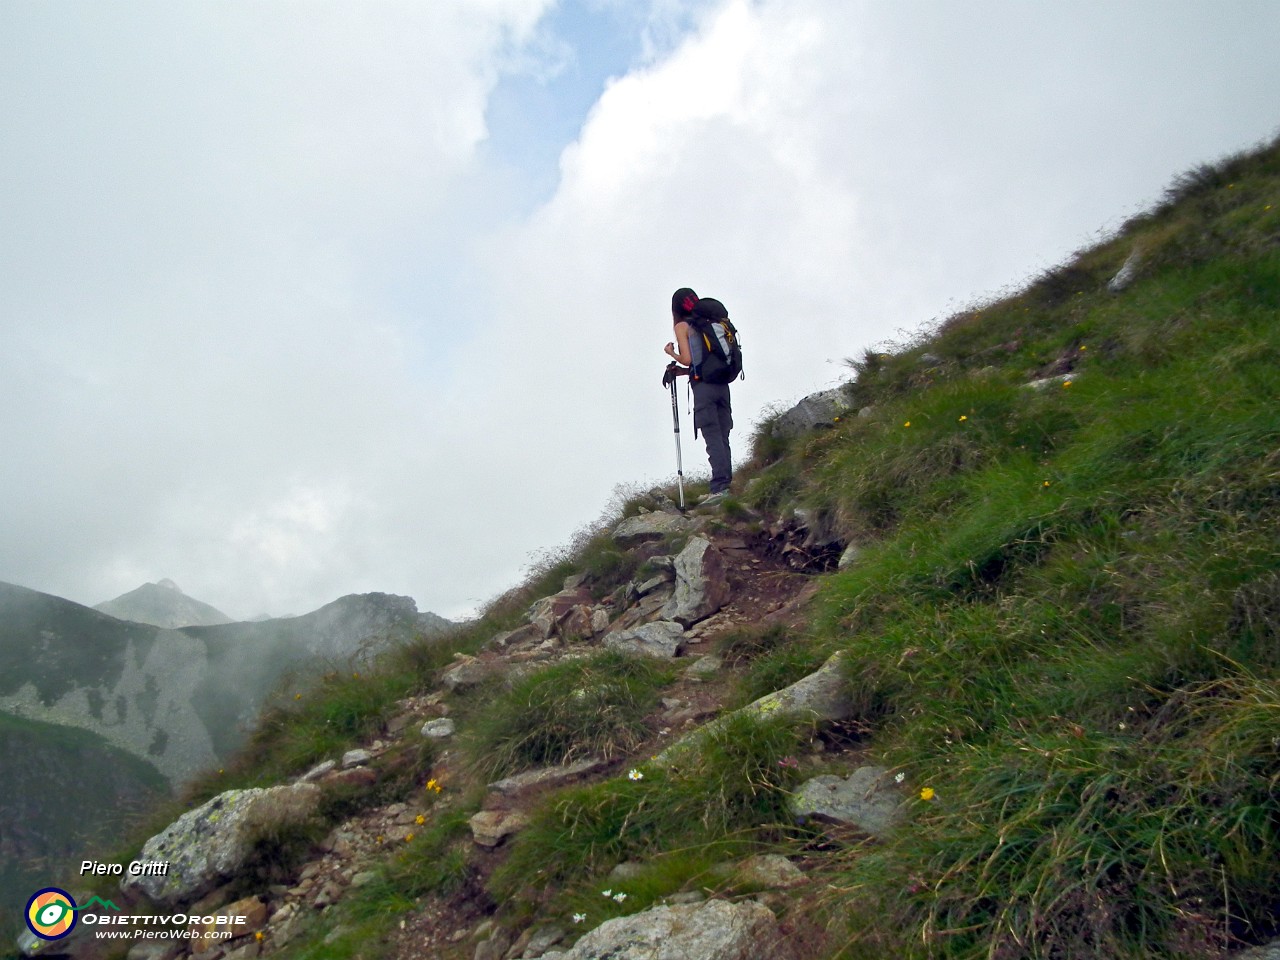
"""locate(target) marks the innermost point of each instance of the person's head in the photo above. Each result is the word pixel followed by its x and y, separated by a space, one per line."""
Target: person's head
pixel 682 303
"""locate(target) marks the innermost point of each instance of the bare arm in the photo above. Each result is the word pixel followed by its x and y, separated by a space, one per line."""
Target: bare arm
pixel 679 351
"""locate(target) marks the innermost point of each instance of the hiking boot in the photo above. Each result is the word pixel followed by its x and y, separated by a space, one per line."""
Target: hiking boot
pixel 712 499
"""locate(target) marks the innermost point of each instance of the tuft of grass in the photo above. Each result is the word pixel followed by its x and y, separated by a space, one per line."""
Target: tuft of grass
pixel 592 707
pixel 726 797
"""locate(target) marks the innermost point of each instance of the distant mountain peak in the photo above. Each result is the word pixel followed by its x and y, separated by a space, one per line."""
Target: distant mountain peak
pixel 162 604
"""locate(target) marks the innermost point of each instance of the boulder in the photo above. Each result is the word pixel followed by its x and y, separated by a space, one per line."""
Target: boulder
pixel 650 526
pixel 355 758
pixel 714 930
pixel 319 770
pixel 217 839
pixel 702 585
pixel 439 729
pixel 546 777
pixel 527 633
pixel 820 697
pixel 599 620
pixel 814 411
pixel 469 672
pixel 1127 273
pixel 866 800
pixel 576 624
pixel 661 639
pixel 549 613
pixel 769 871
pixel 490 827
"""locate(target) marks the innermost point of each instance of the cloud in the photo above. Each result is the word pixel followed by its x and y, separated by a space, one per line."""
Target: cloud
pixel 278 322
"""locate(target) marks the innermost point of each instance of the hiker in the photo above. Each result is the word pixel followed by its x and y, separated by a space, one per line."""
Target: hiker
pixel 712 413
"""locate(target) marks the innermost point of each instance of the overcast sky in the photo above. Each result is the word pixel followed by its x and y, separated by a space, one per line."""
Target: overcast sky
pixel 307 299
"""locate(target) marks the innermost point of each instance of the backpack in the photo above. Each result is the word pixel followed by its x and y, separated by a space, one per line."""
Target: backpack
pixel 721 347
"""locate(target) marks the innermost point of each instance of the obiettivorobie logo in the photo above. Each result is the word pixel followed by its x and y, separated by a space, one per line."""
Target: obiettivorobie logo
pixel 51 912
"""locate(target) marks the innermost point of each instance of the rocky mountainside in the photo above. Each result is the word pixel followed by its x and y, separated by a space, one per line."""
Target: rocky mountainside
pixel 107 714
pixel 182 700
pixel 722 579
pixel 162 604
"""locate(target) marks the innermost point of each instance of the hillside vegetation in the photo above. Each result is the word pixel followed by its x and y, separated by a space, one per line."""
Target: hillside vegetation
pixel 1061 630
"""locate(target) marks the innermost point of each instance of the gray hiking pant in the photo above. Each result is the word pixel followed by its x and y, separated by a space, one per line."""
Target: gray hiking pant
pixel 713 418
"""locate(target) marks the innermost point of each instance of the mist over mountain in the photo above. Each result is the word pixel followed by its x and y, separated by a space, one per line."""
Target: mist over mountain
pixel 180 699
pixel 162 604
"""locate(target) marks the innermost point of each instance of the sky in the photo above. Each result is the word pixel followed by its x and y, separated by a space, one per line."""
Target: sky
pixel 306 299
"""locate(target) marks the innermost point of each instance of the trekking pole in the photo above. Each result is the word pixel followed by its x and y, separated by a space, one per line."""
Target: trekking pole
pixel 675 417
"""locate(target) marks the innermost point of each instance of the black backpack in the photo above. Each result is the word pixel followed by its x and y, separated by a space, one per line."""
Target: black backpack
pixel 721 347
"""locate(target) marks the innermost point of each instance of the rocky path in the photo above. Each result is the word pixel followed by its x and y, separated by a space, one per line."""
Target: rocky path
pixel 728 576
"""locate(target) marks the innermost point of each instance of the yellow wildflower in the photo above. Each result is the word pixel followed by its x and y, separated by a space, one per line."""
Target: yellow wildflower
pixel 408 837
pixel 907 424
pixel 1083 347
pixel 926 793
pixel 419 819
pixel 963 418
pixel 1065 384
pixel 259 935
pixel 1046 483
pixel 297 696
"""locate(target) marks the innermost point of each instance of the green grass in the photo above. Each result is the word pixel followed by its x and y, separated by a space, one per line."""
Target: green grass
pixel 592 707
pixel 722 800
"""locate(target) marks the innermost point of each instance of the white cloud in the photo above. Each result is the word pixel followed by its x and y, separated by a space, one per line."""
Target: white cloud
pixel 271 325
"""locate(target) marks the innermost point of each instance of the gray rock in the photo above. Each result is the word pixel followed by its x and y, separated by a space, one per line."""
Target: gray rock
pixel 495 948
pixel 440 729
pixel 542 940
pixel 217 839
pixel 599 621
pixel 715 930
pixel 469 672
pixel 355 758
pixel 652 584
pixel 626 871
pixel 546 777
pixel 849 557
pixel 814 411
pixel 704 667
pixel 319 770
pixel 1268 951
pixel 1127 274
pixel 513 638
pixel 820 697
pixel 1045 382
pixel 769 870
pixel 549 613
pixel 865 800
pixel 490 827
pixel 702 585
pixel 661 639
pixel 650 526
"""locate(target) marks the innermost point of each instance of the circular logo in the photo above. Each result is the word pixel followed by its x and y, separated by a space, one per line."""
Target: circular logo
pixel 51 914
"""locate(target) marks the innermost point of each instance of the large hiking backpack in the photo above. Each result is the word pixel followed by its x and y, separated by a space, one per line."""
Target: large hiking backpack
pixel 721 348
